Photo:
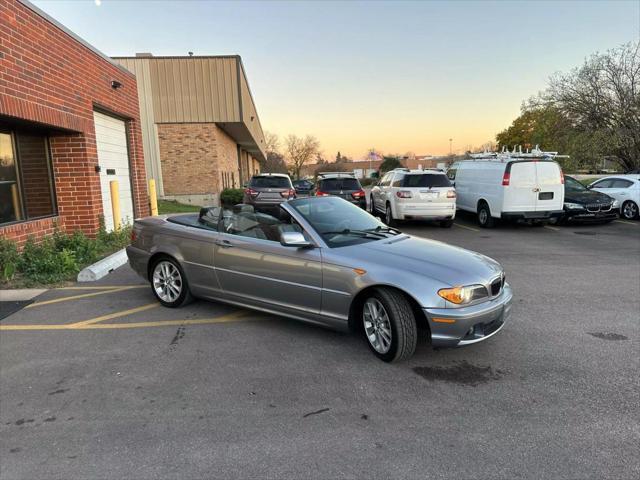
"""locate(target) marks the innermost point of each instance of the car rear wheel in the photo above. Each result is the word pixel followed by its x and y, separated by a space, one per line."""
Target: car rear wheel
pixel 169 283
pixel 485 220
pixel 629 210
pixel 372 207
pixel 389 325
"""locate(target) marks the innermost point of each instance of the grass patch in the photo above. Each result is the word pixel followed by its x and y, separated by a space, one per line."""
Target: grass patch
pixel 57 259
pixel 588 180
pixel 171 206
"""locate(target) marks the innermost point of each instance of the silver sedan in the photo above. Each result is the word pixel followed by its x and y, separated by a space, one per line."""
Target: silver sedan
pixel 325 261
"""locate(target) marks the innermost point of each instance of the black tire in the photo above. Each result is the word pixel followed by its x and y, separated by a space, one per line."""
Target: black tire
pixel 485 220
pixel 388 216
pixel 629 210
pixel 446 223
pixel 372 207
pixel 184 297
pixel 404 330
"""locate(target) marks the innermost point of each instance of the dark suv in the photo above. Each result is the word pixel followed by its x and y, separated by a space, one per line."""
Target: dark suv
pixel 267 191
pixel 341 184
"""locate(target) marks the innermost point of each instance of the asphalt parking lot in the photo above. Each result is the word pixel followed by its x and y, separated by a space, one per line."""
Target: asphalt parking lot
pixel 101 382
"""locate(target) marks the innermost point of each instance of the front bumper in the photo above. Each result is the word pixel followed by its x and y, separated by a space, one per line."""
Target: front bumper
pixel 451 327
pixel 585 216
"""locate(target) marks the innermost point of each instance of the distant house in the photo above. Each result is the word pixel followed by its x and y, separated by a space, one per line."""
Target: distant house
pixel 200 127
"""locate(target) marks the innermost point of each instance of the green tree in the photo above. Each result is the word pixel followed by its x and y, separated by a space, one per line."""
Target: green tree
pixel 389 163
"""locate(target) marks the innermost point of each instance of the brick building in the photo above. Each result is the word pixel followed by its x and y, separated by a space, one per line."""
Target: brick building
pixel 200 126
pixel 69 124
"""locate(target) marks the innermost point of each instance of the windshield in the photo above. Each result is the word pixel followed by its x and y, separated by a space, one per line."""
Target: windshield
pixel 339 222
pixel 572 185
pixel 425 180
pixel 270 182
pixel 330 184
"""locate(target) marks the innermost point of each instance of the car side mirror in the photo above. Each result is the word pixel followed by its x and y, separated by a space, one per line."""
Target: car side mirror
pixel 589 187
pixel 294 239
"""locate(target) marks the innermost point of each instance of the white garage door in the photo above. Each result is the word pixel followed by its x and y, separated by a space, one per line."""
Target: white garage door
pixel 113 158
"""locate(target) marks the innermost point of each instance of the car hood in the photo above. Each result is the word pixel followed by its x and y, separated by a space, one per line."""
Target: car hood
pixel 589 196
pixel 440 261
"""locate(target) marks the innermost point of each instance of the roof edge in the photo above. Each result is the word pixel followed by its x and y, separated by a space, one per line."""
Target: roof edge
pixel 74 36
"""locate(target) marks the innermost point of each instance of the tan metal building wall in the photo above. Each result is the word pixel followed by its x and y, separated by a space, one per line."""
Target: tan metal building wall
pixel 147 119
pixel 196 90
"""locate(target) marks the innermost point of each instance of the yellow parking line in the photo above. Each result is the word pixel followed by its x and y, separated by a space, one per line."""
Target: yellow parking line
pixel 548 227
pixel 113 315
pixel 102 287
pixel 231 317
pixel 75 297
pixel 468 228
pixel 625 222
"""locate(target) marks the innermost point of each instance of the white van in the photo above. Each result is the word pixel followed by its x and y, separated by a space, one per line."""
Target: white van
pixel 508 188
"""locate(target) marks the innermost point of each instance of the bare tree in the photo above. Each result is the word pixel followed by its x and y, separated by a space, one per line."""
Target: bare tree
pixel 272 142
pixel 300 151
pixel 275 160
pixel 603 96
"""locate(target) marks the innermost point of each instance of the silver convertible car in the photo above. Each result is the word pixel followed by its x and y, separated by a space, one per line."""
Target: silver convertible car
pixel 325 261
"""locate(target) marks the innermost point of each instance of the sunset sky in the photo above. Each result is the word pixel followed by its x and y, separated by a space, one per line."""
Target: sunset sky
pixel 397 76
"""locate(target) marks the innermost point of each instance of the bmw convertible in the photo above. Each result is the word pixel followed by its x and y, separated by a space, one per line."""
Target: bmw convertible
pixel 325 261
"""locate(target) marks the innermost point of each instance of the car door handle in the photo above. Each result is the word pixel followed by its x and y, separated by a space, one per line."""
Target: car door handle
pixel 224 243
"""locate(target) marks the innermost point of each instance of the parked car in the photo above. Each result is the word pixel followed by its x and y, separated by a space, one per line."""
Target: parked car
pixel 584 205
pixel 267 191
pixel 303 187
pixel 341 184
pixel 404 194
pixel 325 261
pixel 509 189
pixel 625 189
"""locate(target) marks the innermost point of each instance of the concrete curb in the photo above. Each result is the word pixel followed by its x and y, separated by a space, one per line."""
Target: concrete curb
pixel 103 267
pixel 20 294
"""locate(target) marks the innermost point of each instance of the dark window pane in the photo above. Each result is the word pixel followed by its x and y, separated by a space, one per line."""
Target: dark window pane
pixel 10 206
pixel 36 179
pixel 426 180
pixel 333 184
pixel 270 182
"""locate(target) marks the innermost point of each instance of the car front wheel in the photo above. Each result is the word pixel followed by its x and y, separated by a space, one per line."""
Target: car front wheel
pixel 388 216
pixel 629 210
pixel 389 325
pixel 169 283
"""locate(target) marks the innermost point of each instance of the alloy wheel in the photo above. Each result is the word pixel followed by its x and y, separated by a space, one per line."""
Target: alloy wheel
pixel 629 210
pixel 167 281
pixel 377 325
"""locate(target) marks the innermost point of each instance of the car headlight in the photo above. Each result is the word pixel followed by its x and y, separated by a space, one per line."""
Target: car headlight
pixel 462 295
pixel 573 206
pixel 616 204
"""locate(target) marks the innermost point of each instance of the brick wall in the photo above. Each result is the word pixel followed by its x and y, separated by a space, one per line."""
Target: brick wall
pixel 195 157
pixel 50 78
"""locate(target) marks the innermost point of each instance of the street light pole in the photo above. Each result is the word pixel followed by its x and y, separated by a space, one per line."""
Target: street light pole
pixel 450 147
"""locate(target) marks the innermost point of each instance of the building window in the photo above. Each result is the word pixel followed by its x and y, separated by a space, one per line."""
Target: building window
pixel 26 186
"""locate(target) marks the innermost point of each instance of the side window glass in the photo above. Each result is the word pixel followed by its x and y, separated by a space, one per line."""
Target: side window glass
pixel 621 184
pixel 397 181
pixel 244 221
pixel 602 184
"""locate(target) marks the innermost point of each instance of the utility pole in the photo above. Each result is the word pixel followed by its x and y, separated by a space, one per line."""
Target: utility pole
pixel 451 147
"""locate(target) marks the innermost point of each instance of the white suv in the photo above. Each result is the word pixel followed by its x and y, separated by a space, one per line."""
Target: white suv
pixel 404 194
